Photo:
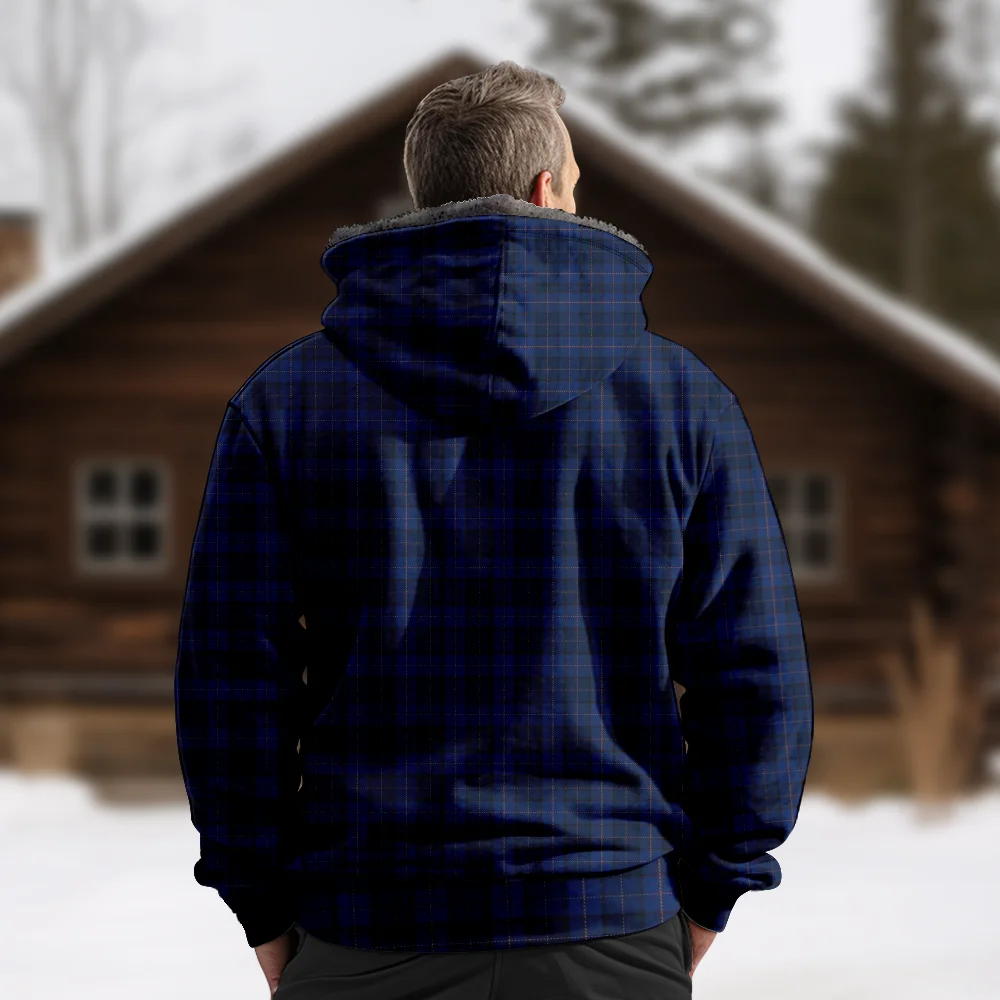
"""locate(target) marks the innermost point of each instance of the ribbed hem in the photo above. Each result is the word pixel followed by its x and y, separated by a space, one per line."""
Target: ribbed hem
pixel 436 915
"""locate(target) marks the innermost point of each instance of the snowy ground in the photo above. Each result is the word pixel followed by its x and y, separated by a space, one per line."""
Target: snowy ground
pixel 98 901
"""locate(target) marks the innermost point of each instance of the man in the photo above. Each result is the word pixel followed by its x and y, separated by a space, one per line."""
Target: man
pixel 453 550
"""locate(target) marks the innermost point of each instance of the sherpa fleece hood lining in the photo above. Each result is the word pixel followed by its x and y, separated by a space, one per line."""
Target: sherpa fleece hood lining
pixel 494 204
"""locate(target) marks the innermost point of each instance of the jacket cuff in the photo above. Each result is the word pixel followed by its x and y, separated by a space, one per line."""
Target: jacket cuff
pixel 708 906
pixel 263 918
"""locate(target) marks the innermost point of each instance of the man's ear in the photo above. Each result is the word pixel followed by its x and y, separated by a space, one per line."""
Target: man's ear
pixel 538 188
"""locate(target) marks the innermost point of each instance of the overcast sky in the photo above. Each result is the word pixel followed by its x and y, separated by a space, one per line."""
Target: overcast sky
pixel 293 64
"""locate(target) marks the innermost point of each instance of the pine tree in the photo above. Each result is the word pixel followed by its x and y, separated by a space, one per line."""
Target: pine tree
pixel 671 69
pixel 909 196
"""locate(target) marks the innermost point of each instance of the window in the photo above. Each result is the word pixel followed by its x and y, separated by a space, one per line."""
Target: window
pixel 121 509
pixel 808 505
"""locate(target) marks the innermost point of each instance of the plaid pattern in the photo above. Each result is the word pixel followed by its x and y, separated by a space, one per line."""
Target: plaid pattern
pixel 508 515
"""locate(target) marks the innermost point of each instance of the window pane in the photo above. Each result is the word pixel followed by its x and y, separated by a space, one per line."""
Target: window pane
pixel 102 486
pixel 816 548
pixel 144 540
pixel 102 540
pixel 779 492
pixel 817 494
pixel 145 488
pixel 792 545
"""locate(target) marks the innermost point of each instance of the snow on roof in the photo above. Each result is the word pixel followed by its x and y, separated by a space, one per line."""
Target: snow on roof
pixel 943 353
pixel 111 262
pixel 24 301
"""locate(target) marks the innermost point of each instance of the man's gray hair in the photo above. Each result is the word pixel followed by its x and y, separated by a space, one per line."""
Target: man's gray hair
pixel 491 132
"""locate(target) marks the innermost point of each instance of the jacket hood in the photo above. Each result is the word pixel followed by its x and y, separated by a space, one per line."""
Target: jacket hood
pixel 491 309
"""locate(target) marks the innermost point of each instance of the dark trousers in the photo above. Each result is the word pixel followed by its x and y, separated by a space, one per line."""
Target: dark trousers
pixel 648 964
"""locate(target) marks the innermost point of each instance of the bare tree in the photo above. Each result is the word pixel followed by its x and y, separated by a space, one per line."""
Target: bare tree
pixel 71 65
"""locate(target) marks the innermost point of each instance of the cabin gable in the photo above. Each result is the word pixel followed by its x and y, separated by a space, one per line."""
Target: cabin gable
pixel 850 439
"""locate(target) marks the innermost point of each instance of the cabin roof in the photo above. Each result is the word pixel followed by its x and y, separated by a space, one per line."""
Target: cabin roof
pixel 942 353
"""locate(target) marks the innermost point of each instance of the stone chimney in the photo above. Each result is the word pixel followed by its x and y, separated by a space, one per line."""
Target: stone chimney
pixel 19 256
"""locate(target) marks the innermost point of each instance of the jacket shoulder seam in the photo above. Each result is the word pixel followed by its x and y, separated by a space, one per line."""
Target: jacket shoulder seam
pixel 268 361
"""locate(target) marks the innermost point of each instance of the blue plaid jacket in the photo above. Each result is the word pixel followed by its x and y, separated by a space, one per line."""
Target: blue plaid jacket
pixel 453 549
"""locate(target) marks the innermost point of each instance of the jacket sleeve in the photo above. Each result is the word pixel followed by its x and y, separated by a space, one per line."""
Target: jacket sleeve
pixel 236 684
pixel 735 643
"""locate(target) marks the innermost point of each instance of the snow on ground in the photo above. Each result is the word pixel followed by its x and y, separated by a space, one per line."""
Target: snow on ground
pixel 99 901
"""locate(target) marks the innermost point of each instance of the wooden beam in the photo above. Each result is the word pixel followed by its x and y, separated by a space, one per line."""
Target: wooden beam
pixel 70 686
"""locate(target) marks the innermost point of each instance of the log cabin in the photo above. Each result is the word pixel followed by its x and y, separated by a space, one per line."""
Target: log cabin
pixel 877 424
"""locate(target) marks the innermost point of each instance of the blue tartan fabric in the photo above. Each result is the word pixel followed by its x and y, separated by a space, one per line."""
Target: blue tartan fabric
pixel 508 516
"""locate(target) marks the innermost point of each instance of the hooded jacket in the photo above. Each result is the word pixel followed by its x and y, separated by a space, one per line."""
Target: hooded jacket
pixel 453 550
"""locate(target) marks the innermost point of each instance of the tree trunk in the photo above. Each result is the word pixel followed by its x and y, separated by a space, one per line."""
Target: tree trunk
pixel 909 92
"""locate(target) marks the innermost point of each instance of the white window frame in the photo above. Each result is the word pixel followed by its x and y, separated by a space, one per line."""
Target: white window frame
pixel 796 521
pixel 123 514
